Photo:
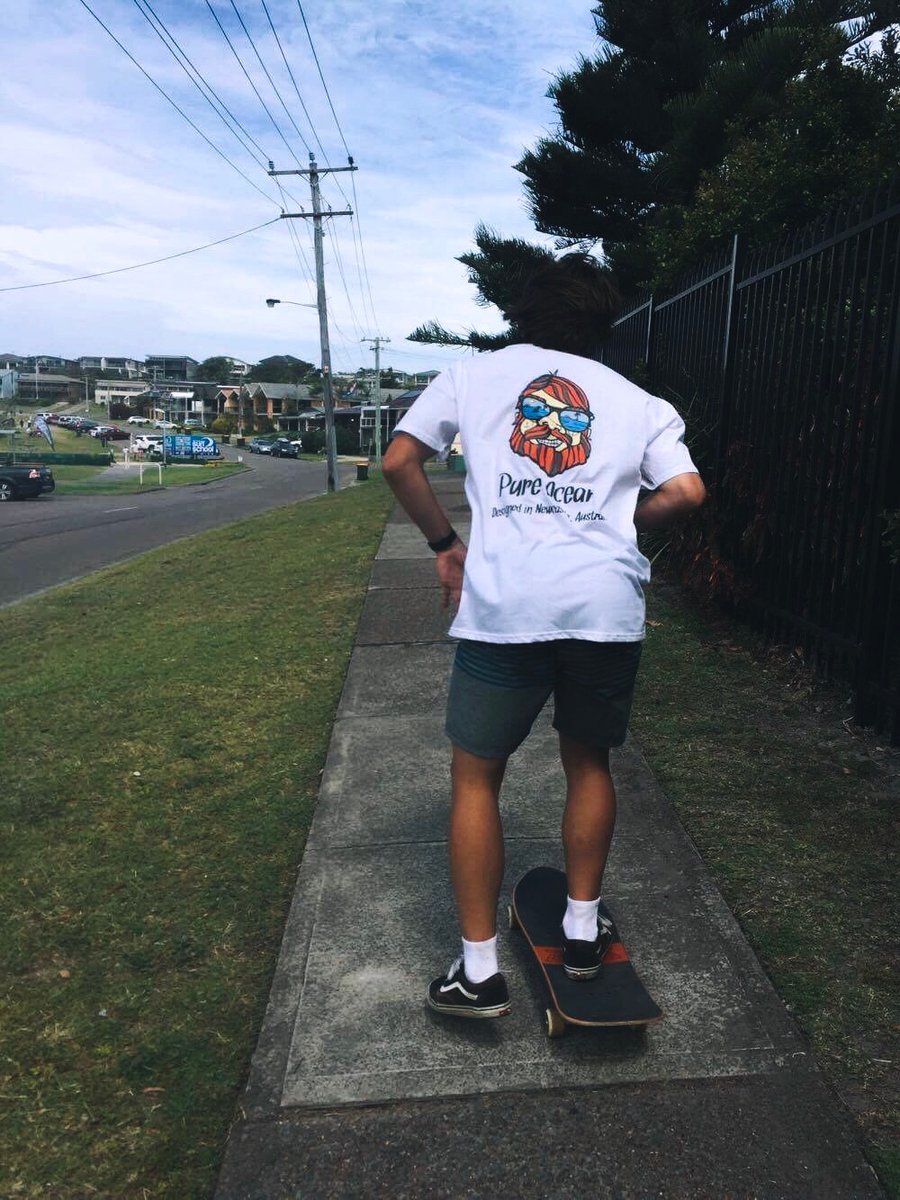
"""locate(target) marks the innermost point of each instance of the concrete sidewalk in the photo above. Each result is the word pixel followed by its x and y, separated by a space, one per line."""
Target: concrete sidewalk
pixel 356 1089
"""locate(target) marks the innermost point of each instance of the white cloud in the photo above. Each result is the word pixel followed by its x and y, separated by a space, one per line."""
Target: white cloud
pixel 436 105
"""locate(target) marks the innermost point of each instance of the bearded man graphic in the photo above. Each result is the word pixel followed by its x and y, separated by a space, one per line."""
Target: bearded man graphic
pixel 552 425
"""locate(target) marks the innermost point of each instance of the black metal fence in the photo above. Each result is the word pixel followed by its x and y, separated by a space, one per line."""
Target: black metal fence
pixel 785 361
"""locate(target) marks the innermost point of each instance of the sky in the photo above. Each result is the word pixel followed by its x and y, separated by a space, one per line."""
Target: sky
pixel 435 103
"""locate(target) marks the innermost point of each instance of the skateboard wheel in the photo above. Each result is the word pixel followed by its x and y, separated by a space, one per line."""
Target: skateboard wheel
pixel 511 918
pixel 556 1026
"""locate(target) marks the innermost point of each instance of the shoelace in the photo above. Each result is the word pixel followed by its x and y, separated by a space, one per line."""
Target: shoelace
pixel 454 968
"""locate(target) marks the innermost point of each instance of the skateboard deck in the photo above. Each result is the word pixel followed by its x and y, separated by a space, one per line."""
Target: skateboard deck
pixel 615 997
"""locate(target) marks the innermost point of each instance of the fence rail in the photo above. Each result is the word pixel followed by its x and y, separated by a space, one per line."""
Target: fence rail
pixel 785 360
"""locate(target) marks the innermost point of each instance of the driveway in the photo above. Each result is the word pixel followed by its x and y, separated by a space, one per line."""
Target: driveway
pixel 58 538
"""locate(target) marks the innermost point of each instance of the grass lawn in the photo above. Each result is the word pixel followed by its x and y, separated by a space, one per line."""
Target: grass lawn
pixel 88 480
pixel 794 812
pixel 165 726
pixel 82 481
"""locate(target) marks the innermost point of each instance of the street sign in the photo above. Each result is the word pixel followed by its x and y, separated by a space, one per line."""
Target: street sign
pixel 188 446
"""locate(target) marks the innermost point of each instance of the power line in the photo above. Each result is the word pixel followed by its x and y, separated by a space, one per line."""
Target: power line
pixel 179 110
pixel 340 267
pixel 322 77
pixel 365 275
pixel 172 45
pixel 22 287
pixel 269 77
pixel 250 81
pixel 365 287
pixel 294 81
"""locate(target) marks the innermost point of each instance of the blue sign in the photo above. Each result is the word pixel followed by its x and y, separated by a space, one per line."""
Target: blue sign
pixel 187 446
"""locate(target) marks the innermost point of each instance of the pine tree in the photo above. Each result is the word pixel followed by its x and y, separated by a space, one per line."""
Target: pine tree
pixel 697 119
pixel 677 86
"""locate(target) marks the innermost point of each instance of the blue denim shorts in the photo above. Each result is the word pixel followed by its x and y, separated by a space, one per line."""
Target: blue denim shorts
pixel 497 691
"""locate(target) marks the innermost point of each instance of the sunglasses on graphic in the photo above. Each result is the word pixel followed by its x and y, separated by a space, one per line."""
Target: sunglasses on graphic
pixel 576 420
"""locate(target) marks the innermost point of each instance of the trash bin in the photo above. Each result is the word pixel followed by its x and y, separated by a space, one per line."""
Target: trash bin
pixel 362 472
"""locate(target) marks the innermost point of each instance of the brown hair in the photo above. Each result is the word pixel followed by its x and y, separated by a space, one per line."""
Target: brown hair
pixel 566 304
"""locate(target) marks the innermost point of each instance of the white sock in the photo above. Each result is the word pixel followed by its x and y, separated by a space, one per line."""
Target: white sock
pixel 580 921
pixel 480 959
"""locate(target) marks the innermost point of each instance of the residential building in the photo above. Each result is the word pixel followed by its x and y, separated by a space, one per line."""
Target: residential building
pixel 167 368
pixel 40 387
pixel 281 403
pixel 119 391
pixel 184 400
pixel 125 368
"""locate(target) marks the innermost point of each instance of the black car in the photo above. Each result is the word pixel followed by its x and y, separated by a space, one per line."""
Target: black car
pixel 23 480
pixel 284 448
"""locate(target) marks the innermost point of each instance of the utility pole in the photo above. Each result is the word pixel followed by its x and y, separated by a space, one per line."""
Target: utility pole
pixel 377 343
pixel 317 214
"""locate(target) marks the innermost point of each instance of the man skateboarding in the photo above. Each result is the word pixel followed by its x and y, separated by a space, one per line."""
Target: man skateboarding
pixel 549 592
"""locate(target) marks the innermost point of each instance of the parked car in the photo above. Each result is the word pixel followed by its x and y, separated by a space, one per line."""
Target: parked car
pixel 138 420
pixel 284 448
pixel 163 424
pixel 148 443
pixel 111 431
pixel 22 480
pixel 260 445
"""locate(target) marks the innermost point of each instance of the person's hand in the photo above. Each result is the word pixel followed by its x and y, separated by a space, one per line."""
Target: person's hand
pixel 450 566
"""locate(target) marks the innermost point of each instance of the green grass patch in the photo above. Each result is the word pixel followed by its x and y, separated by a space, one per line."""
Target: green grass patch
pixel 794 813
pixel 165 726
pixel 87 481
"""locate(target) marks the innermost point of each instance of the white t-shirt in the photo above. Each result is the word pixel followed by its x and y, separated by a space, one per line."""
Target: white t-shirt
pixel 556 450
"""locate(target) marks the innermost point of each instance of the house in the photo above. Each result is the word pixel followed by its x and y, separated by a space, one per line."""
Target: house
pixel 361 418
pixel 119 391
pixel 168 368
pixel 280 403
pixel 125 368
pixel 43 388
pixel 184 400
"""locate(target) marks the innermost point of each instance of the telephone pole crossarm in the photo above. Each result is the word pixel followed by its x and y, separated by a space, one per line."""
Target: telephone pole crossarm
pixel 315 171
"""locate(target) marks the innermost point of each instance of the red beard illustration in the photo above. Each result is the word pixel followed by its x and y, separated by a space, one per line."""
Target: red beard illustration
pixel 544 439
pixel 557 456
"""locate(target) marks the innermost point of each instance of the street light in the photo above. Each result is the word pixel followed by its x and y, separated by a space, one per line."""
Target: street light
pixel 330 440
pixel 296 303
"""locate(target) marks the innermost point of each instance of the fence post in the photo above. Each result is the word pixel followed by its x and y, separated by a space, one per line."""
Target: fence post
pixel 648 345
pixel 879 596
pixel 727 368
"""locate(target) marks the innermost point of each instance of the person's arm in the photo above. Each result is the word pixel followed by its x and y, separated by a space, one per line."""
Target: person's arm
pixel 404 471
pixel 673 499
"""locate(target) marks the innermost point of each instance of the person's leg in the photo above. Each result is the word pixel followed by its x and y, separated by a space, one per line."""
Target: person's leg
pixel 476 842
pixel 474 985
pixel 589 817
pixel 495 694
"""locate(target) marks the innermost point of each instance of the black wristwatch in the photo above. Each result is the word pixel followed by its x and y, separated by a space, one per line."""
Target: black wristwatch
pixel 443 543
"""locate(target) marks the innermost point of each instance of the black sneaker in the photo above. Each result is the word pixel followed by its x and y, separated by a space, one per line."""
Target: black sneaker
pixel 455 995
pixel 584 960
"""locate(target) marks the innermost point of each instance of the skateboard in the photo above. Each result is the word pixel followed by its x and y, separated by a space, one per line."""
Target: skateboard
pixel 615 997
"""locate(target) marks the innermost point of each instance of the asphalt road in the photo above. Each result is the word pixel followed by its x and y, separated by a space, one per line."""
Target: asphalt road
pixel 57 538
